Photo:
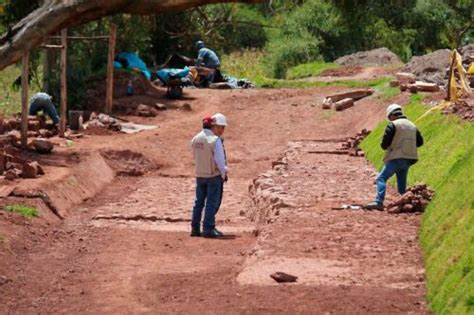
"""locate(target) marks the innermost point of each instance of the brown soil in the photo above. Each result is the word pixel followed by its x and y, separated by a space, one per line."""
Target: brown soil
pixel 128 249
pixel 342 72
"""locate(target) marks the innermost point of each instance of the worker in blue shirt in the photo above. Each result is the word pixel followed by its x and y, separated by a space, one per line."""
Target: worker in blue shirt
pixel 207 58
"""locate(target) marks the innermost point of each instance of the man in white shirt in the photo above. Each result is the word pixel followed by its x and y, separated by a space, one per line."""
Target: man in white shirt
pixel 211 172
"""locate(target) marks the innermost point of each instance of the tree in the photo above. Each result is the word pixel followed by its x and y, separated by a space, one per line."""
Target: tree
pixel 54 15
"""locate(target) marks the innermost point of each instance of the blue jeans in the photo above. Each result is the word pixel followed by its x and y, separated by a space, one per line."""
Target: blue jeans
pixel 399 167
pixel 208 193
pixel 47 107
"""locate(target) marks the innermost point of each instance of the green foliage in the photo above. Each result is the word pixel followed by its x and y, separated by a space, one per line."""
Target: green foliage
pixel 447 232
pixel 10 98
pixel 26 211
pixel 312 69
pixel 286 52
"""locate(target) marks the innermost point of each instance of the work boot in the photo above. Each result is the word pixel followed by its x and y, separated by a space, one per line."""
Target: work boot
pixel 374 206
pixel 195 232
pixel 212 234
pixel 218 232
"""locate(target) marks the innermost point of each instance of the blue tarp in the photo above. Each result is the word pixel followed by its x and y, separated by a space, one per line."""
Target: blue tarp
pixel 165 74
pixel 128 60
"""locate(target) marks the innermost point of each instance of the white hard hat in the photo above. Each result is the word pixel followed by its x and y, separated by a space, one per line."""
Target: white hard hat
pixel 392 108
pixel 220 119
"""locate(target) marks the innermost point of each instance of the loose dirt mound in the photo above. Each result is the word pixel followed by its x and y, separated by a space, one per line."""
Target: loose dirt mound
pixel 95 94
pixel 431 67
pixel 376 57
pixel 128 163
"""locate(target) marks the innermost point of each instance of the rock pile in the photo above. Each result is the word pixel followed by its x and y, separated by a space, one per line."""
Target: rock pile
pixel 102 121
pixel 12 166
pixel 462 108
pixel 352 143
pixel 416 199
pixel 267 196
pixel 37 126
pixel 376 57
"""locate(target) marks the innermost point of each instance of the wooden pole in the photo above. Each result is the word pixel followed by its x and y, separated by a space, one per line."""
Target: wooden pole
pixel 24 100
pixel 62 122
pixel 110 69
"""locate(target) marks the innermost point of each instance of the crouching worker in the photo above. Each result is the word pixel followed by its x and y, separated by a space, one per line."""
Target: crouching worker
pixel 401 140
pixel 43 102
pixel 211 172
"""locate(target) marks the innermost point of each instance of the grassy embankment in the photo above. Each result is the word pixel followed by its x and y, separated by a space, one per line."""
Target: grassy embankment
pixel 447 233
pixel 248 64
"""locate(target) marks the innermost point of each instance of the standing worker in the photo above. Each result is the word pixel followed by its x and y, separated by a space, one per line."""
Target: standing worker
pixel 207 58
pixel 211 172
pixel 43 102
pixel 401 140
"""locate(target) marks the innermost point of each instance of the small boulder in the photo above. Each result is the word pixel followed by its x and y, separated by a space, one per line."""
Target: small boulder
pixel 31 170
pixel 186 107
pixel 43 146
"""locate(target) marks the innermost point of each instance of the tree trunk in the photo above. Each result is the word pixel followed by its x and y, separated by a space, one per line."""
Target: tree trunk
pixel 54 15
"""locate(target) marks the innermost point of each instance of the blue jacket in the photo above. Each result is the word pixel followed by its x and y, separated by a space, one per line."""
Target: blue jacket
pixel 207 58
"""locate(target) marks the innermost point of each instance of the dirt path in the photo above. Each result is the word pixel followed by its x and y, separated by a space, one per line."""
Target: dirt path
pixel 128 250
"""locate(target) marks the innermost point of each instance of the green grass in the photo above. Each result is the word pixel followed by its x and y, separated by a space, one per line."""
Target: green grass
pixel 248 64
pixel 10 99
pixel 278 84
pixel 447 232
pixel 313 69
pixel 26 211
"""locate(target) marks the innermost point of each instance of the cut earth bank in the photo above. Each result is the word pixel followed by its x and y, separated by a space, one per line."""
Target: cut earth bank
pixel 127 249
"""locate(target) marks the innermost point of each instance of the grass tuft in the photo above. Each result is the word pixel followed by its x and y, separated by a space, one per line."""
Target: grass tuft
pixel 26 211
pixel 313 69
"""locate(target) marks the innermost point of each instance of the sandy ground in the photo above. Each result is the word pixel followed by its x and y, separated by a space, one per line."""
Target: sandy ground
pixel 128 250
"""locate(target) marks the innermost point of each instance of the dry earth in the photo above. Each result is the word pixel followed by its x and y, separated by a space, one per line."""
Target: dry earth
pixel 127 250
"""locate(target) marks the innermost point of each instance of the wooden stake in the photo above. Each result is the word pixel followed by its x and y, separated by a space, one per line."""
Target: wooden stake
pixel 110 69
pixel 62 122
pixel 24 100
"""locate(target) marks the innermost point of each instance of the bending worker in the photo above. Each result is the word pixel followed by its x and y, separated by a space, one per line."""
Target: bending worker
pixel 43 102
pixel 207 58
pixel 401 140
pixel 211 172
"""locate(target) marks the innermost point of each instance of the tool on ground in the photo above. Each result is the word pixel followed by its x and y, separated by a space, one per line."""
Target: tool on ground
pixel 349 207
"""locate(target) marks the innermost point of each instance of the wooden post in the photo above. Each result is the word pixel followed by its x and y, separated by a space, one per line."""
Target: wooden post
pixel 110 69
pixel 24 100
pixel 62 122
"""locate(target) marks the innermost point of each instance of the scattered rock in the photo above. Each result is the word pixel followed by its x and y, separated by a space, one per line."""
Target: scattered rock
pixel 146 111
pixel 45 133
pixel 461 108
pixel 352 144
pixel 31 170
pixel 4 280
pixel 160 106
pixel 12 174
pixel 43 146
pixel 405 77
pixel 186 107
pixel 282 277
pixel 376 57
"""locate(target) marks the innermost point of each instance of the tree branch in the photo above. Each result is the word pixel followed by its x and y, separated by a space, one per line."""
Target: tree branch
pixel 55 15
